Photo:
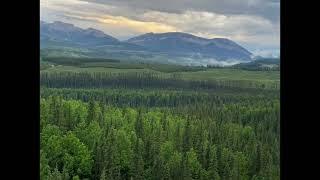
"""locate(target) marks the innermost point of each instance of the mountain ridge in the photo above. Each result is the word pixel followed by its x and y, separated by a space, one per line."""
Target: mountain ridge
pixel 174 44
pixel 219 48
pixel 65 32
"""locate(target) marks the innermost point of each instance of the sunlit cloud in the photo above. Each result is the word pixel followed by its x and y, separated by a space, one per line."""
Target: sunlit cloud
pixel 138 26
pixel 123 21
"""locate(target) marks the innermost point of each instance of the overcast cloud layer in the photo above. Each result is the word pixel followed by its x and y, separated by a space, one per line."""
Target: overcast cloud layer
pixel 251 23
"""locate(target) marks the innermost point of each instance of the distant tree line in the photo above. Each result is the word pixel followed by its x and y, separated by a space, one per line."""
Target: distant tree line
pixel 142 80
pixel 156 98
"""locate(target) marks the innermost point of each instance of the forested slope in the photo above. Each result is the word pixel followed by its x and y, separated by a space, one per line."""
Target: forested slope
pixel 149 126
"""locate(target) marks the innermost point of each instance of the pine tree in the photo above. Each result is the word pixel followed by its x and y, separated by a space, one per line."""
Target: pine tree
pixel 103 175
pixel 138 163
pixel 213 163
pixel 44 166
pixel 139 125
pixel 187 136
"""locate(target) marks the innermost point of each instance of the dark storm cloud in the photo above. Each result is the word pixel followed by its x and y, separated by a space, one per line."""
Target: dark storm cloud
pixel 269 9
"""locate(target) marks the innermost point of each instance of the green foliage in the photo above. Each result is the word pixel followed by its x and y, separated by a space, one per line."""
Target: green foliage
pixel 191 80
pixel 44 166
pixel 147 130
pixel 85 62
pixel 75 61
pixel 66 152
pixel 158 143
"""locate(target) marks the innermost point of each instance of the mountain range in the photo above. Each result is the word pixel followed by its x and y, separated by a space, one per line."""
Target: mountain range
pixel 172 44
pixel 68 33
pixel 183 43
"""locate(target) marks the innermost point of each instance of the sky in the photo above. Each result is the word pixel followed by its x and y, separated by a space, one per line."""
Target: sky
pixel 254 24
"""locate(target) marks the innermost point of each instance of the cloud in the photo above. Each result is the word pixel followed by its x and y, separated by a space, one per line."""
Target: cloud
pixel 273 53
pixel 100 17
pixel 124 19
pixel 123 22
pixel 268 9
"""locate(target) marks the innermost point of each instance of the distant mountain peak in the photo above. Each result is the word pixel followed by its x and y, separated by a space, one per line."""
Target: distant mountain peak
pixel 184 43
pixel 65 32
pixel 173 44
pixel 62 24
pixel 171 34
pixel 95 32
pixel 224 40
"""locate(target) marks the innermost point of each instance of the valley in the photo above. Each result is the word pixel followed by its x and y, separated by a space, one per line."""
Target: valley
pixel 158 106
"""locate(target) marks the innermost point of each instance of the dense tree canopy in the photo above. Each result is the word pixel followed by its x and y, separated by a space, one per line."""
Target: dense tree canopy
pixel 142 129
pixel 91 140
